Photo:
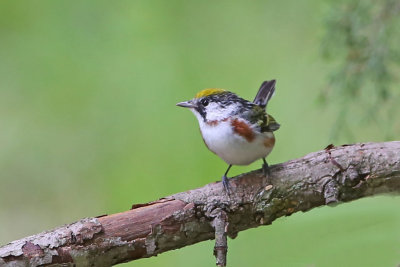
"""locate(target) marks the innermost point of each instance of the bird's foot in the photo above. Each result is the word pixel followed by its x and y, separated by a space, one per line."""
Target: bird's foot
pixel 265 169
pixel 225 183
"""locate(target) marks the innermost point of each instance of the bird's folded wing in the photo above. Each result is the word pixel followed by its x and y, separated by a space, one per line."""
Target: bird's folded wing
pixel 270 124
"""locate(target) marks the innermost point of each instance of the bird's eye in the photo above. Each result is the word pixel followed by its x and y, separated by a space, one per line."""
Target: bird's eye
pixel 204 102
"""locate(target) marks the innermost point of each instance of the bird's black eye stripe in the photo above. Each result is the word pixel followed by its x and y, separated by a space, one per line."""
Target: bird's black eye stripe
pixel 204 102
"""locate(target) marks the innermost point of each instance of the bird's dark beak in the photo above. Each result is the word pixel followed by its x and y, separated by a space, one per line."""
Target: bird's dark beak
pixel 187 104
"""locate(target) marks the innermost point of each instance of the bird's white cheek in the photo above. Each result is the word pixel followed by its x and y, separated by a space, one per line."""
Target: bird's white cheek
pixel 216 113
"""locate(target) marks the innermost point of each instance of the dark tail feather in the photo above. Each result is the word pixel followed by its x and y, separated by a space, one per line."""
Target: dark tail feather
pixel 265 93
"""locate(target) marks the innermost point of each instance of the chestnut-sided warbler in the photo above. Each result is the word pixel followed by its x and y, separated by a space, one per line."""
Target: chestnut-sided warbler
pixel 237 130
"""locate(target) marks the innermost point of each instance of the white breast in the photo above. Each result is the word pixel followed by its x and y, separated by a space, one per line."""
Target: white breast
pixel 231 147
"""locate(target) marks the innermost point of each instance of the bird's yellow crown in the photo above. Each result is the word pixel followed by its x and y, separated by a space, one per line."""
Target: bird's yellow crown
pixel 209 91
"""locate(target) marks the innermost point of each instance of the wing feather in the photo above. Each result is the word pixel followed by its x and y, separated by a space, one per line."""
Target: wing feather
pixel 266 122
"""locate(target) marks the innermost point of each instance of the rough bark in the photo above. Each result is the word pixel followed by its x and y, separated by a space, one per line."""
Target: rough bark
pixel 335 174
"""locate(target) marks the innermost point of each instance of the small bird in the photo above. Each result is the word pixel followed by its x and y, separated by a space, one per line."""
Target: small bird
pixel 237 130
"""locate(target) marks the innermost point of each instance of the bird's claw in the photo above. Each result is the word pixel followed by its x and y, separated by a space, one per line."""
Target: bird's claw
pixel 266 171
pixel 225 183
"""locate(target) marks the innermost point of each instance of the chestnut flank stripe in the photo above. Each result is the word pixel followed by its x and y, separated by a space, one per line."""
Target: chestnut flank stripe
pixel 243 129
pixel 269 142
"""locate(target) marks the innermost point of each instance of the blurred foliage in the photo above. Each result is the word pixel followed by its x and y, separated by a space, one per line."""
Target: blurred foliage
pixel 89 124
pixel 362 38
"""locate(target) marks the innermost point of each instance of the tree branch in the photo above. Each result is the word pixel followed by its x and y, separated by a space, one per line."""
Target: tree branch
pixel 336 174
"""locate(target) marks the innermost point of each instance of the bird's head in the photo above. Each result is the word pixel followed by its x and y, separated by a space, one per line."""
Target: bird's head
pixel 215 105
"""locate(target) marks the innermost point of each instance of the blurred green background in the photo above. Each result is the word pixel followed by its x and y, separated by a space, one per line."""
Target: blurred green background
pixel 89 124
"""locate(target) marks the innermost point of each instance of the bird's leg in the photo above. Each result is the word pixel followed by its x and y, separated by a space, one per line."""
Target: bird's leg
pixel 225 181
pixel 265 168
